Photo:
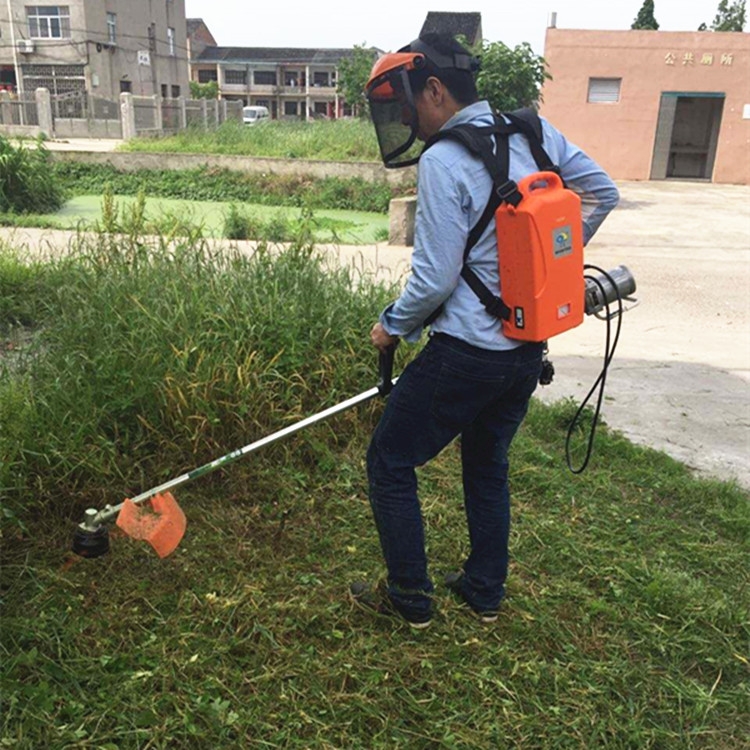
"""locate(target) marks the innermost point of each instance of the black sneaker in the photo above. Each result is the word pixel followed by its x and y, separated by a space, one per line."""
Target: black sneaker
pixel 375 599
pixel 453 582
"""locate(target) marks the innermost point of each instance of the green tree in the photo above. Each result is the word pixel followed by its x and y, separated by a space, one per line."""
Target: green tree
pixel 353 75
pixel 510 78
pixel 729 17
pixel 645 18
pixel 208 90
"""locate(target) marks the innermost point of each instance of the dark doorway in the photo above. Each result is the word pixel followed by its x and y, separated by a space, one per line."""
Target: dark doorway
pixel 687 134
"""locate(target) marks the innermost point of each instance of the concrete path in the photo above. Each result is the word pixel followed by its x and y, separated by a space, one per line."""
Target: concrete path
pixel 98 145
pixel 680 381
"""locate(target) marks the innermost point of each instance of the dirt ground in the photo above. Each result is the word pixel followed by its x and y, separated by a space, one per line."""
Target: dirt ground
pixel 680 378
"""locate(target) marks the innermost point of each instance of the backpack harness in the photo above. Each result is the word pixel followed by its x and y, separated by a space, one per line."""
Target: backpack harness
pixel 478 140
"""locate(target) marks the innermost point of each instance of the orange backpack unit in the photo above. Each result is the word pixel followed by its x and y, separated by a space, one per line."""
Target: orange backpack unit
pixel 539 234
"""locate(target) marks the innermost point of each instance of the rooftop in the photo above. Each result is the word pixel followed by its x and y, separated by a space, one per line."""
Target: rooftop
pixel 274 55
pixel 466 24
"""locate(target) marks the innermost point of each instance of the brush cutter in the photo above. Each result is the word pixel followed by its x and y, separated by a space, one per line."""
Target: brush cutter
pixel 161 521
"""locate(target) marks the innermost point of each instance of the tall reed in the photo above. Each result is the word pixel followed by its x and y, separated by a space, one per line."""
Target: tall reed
pixel 150 358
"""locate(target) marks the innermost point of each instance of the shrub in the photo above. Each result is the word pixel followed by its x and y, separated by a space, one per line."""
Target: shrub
pixel 27 184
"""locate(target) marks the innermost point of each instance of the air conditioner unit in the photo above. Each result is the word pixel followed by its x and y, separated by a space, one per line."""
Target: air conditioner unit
pixel 25 46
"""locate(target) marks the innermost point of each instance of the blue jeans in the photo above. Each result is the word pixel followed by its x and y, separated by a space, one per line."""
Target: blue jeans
pixel 450 389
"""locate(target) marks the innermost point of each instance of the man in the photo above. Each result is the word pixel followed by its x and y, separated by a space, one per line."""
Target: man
pixel 470 379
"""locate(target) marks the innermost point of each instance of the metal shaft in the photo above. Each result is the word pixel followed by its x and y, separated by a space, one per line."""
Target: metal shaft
pixel 94 518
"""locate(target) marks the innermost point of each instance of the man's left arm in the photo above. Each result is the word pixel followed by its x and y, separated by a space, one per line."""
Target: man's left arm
pixel 440 232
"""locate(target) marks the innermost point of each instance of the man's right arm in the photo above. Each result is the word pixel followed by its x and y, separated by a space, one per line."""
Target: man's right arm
pixel 598 193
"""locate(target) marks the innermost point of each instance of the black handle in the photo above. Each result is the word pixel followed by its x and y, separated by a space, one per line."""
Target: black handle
pixel 385 385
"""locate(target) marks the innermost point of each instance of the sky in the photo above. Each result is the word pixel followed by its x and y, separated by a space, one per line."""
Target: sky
pixel 389 24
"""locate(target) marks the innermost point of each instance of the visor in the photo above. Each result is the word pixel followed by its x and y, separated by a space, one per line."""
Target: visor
pixel 391 99
pixel 392 109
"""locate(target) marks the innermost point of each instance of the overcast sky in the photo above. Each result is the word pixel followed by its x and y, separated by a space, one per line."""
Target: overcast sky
pixel 389 24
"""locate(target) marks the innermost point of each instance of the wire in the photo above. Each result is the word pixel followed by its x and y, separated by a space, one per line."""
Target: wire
pixel 609 352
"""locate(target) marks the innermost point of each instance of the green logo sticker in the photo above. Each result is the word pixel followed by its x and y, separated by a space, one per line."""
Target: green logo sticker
pixel 562 241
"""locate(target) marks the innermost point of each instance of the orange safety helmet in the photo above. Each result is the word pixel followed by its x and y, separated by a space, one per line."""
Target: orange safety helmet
pixel 391 99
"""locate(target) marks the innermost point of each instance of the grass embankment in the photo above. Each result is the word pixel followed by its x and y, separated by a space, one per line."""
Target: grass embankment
pixel 335 140
pixel 626 624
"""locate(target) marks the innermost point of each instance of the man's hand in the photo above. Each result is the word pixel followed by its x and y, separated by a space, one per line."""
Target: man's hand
pixel 380 338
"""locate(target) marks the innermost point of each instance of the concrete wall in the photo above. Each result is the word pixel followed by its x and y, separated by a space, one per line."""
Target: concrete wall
pixel 130 162
pixel 105 64
pixel 621 135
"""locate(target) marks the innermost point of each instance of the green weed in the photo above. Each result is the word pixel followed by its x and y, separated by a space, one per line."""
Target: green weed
pixel 26 182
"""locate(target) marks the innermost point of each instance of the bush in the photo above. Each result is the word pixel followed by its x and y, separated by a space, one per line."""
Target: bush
pixel 27 184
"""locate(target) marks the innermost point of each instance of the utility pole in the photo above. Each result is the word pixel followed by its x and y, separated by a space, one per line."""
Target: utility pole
pixel 19 83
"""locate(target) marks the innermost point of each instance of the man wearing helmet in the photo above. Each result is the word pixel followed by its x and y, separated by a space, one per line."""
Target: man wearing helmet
pixel 470 379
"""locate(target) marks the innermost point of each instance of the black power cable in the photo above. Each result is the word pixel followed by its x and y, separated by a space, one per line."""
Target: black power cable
pixel 609 351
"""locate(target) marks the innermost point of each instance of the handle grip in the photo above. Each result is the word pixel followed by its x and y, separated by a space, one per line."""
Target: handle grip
pixel 385 366
pixel 540 181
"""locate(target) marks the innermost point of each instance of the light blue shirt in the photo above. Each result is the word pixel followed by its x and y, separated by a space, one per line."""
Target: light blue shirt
pixel 453 191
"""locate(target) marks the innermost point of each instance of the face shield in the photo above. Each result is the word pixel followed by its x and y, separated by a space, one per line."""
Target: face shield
pixel 391 98
pixel 392 108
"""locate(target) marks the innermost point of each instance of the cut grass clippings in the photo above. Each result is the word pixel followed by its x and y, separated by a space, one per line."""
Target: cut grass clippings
pixel 627 619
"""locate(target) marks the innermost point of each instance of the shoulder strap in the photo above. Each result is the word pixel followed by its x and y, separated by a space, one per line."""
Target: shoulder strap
pixel 527 121
pixel 479 141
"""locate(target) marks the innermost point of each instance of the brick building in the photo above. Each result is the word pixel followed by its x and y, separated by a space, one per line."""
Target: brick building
pixel 652 104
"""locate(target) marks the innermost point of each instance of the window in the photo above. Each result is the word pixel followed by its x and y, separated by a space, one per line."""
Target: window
pixel 293 78
pixel 170 41
pixel 164 91
pixel 235 77
pixel 320 79
pixel 290 108
pixel 265 77
pixel 112 27
pixel 206 76
pixel 603 90
pixel 175 92
pixel 48 21
pixel 126 87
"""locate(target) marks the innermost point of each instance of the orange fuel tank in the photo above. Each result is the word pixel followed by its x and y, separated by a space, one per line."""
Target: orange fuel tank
pixel 540 253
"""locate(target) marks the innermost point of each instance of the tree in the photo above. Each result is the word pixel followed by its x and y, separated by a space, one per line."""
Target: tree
pixel 208 90
pixel 645 18
pixel 354 73
pixel 729 17
pixel 509 78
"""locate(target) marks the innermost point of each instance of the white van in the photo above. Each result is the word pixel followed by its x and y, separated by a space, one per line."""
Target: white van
pixel 251 115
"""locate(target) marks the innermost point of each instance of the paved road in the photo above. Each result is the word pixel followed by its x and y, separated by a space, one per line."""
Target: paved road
pixel 681 378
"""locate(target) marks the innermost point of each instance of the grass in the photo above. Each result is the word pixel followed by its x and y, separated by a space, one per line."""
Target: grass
pixel 626 624
pixel 336 140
